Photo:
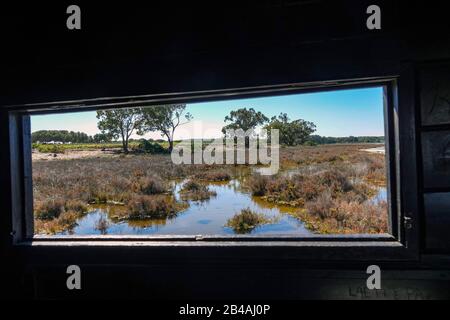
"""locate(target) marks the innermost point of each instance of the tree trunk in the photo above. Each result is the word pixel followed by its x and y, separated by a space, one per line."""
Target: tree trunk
pixel 125 144
pixel 170 145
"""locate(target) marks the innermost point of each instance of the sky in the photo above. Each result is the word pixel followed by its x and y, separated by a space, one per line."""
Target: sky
pixel 340 113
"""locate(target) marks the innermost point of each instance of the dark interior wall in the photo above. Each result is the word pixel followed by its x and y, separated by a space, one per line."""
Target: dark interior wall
pixel 166 48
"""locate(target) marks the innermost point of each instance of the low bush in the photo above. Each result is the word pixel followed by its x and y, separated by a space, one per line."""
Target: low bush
pixel 298 189
pixel 214 176
pixel 257 184
pixel 192 190
pixel 150 185
pixel 327 215
pixel 321 206
pixel 76 206
pixel 150 147
pixel 50 148
pixel 49 209
pixel 192 186
pixel 246 221
pixel 66 221
pixel 152 207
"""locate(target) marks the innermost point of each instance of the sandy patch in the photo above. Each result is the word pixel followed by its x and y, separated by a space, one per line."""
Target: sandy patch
pixel 73 154
pixel 379 150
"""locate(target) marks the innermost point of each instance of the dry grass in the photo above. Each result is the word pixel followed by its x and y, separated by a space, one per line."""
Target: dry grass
pixel 66 221
pixel 296 190
pixel 332 186
pixel 340 217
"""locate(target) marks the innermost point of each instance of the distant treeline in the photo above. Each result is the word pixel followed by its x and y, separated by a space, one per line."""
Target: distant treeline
pixel 315 139
pixel 45 136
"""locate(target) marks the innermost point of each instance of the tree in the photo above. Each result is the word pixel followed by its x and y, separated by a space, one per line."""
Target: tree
pixel 244 119
pixel 101 138
pixel 61 136
pixel 165 119
pixel 291 133
pixel 119 123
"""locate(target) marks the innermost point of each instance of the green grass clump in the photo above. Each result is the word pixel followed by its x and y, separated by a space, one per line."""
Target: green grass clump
pixel 246 221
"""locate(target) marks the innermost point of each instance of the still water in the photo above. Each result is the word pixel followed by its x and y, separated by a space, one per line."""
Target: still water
pixel 201 218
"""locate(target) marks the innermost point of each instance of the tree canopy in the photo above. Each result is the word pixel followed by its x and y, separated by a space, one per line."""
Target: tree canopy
pixel 291 133
pixel 245 119
pixel 64 136
pixel 165 119
pixel 119 123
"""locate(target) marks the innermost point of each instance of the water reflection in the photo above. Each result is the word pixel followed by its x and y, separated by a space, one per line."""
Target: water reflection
pixel 380 196
pixel 202 217
pixel 206 217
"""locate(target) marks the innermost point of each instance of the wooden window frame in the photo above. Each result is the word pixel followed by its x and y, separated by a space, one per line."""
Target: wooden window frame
pixel 400 128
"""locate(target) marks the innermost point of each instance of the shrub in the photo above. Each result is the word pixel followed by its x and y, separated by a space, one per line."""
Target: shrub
pixel 99 197
pixel 65 222
pixel 152 207
pixel 76 206
pixel 216 176
pixel 68 219
pixel 308 187
pixel 150 185
pixel 321 206
pixel 192 190
pixel 49 209
pixel 335 180
pixel 151 147
pixel 193 186
pixel 327 215
pixel 50 148
pixel 362 217
pixel 310 143
pixel 246 221
pixel 257 184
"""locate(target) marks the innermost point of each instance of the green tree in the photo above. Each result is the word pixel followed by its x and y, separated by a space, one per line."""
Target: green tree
pixel 165 119
pixel 245 119
pixel 101 138
pixel 61 136
pixel 119 123
pixel 291 133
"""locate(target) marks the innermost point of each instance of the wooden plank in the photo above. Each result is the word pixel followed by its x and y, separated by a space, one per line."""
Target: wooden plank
pixel 437 213
pixel 435 94
pixel 436 159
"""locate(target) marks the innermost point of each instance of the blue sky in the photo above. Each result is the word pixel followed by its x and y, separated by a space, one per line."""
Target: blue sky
pixel 356 112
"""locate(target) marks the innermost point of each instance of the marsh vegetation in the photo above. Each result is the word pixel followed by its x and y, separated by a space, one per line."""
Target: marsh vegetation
pixel 319 189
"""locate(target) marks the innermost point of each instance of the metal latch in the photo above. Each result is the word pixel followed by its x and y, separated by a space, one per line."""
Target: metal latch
pixel 407 222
